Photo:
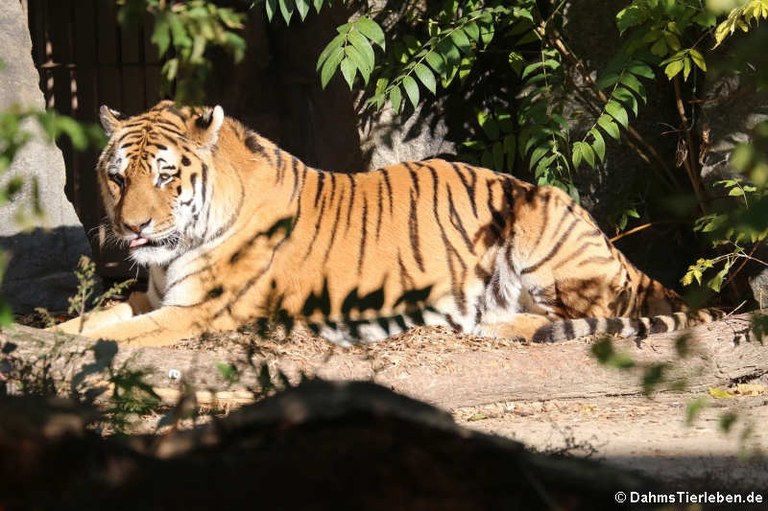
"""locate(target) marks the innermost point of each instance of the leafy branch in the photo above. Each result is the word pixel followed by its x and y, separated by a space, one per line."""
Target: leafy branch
pixel 741 18
pixel 183 32
pixel 351 51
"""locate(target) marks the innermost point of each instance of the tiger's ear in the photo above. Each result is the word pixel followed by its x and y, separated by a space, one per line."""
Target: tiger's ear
pixel 209 123
pixel 110 119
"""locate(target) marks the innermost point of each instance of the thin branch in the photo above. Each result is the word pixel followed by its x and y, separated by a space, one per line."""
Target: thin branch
pixel 641 143
pixel 642 228
pixel 690 162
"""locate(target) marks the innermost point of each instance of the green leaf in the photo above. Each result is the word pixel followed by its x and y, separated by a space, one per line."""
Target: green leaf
pixel 610 127
pixel 498 156
pixel 693 409
pixel 171 68
pixel 472 30
pixel 179 33
pixel 364 47
pixel 510 146
pixel 465 67
pixel 673 68
pixel 607 80
pixel 537 154
pixel 302 6
pixel 318 5
pixel 489 125
pixel 659 48
pixel 461 40
pixel 616 110
pixel 6 313
pixel 632 16
pixel 411 90
pixel 426 77
pixel 641 69
pixel 72 129
pixel 286 8
pixel 449 52
pixel 672 41
pixel 717 281
pixel 161 35
pixel 396 98
pixel 629 80
pixel 357 59
pixel 227 371
pixel 698 59
pixel 271 7
pixel 486 34
pixel 577 154
pixel 718 393
pixel 598 143
pixel 344 29
pixel 583 151
pixel 516 62
pixel 551 64
pixel 626 98
pixel 486 160
pixel 336 43
pixel 348 71
pixel 330 65
pixel 436 62
pixel 371 30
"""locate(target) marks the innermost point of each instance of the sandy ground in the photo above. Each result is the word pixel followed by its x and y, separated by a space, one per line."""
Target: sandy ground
pixel 645 434
pixel 650 435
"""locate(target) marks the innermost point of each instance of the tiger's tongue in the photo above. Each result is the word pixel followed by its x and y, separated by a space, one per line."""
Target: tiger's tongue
pixel 138 242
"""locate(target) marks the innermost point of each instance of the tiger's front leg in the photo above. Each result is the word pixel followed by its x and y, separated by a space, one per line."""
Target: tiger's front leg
pixel 137 303
pixel 161 327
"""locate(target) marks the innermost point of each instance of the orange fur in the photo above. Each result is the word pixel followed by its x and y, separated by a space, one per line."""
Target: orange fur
pixel 234 229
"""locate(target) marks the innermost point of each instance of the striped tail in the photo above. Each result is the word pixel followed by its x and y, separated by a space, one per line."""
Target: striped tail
pixel 570 329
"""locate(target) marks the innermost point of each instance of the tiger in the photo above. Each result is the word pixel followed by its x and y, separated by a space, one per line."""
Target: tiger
pixel 232 230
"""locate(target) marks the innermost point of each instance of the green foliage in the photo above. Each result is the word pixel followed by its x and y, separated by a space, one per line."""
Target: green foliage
pixel 131 397
pixel 288 8
pixel 607 355
pixel 351 51
pixel 442 50
pixel 544 134
pixel 669 30
pixel 87 288
pixel 59 371
pixel 741 18
pixel 740 219
pixel 694 409
pixel 760 326
pixel 183 33
pixel 17 128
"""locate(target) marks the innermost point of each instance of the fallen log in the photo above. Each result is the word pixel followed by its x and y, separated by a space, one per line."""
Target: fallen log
pixel 436 366
pixel 321 445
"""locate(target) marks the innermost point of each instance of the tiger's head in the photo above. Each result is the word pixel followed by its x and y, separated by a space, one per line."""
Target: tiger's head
pixel 155 178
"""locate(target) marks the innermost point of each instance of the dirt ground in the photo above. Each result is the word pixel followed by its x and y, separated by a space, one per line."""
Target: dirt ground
pixel 645 434
pixel 650 435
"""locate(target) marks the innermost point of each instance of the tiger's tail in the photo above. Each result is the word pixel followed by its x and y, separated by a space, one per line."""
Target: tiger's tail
pixel 570 329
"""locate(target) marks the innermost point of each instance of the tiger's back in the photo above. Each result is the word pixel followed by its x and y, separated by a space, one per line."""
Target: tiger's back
pixel 364 255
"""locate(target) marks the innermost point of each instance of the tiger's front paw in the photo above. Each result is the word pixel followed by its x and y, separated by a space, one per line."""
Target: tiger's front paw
pixel 74 327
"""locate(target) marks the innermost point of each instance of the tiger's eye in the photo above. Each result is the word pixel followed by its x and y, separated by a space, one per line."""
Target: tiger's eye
pixel 118 179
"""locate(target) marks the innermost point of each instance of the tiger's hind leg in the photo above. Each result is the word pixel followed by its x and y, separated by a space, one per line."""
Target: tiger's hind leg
pixel 519 326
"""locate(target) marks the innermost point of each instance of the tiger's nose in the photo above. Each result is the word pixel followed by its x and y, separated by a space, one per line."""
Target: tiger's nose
pixel 136 228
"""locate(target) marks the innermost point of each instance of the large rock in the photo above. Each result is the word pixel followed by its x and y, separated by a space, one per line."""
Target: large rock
pixel 389 139
pixel 39 273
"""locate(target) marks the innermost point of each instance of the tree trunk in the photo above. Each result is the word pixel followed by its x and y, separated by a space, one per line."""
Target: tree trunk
pixel 449 375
